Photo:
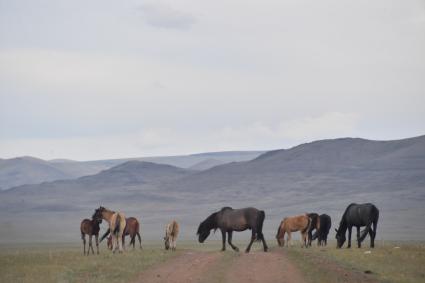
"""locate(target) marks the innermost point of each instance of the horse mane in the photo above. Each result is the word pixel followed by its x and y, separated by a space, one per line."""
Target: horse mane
pixel 226 208
pixel 209 223
pixel 342 223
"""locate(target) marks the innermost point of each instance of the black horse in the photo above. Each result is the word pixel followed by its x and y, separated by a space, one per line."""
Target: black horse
pixel 322 233
pixel 358 215
pixel 229 220
pixel 314 225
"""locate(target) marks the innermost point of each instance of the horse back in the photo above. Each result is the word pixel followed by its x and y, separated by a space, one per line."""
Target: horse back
pixel 361 214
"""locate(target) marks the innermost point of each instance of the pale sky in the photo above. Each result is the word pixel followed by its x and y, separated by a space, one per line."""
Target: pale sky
pixel 108 79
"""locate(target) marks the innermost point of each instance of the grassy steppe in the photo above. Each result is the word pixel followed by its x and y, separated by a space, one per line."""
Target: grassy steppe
pixel 65 263
pixel 392 262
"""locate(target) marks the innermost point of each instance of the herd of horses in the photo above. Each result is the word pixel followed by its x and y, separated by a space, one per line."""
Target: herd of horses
pixel 312 226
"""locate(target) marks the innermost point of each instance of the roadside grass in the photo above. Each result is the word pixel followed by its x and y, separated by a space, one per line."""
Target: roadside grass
pixel 66 263
pixel 392 262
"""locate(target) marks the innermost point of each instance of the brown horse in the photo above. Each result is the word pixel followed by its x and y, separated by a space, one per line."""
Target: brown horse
pixel 90 227
pixel 292 224
pixel 132 229
pixel 116 222
pixel 171 233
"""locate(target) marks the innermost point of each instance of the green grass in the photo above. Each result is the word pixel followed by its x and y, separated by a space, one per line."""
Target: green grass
pixel 387 263
pixel 65 263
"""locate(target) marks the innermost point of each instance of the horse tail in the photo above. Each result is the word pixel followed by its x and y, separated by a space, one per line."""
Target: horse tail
pixel 278 230
pixel 117 225
pixel 105 235
pixel 308 225
pixel 261 218
pixel 365 231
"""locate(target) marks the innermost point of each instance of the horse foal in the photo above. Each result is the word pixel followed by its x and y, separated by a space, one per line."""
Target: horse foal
pixel 171 233
pixel 90 227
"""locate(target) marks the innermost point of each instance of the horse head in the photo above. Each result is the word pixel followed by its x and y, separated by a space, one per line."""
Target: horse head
pixel 205 227
pixel 97 215
pixel 340 238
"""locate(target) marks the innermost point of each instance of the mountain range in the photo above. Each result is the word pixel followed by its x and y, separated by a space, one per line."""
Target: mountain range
pixel 322 176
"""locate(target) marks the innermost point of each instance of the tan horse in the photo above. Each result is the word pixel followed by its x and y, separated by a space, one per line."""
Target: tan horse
pixel 132 228
pixel 116 222
pixel 171 233
pixel 292 224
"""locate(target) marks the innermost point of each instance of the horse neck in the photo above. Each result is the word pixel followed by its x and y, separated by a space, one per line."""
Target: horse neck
pixel 107 215
pixel 342 226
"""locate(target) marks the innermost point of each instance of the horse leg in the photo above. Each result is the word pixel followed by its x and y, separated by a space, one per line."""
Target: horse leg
pixel 303 239
pixel 373 234
pixel 265 247
pixel 229 240
pixel 123 241
pixel 97 243
pixel 140 240
pixel 359 244
pixel 252 241
pixel 84 243
pixel 133 241
pixel 121 245
pixel 289 239
pixel 223 236
pixel 349 236
pixel 90 244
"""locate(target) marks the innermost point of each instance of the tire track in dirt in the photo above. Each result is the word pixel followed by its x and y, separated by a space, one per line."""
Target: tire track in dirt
pixel 190 267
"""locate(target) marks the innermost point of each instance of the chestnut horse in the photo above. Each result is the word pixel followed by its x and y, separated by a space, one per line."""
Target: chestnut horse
pixel 171 233
pixel 292 224
pixel 116 222
pixel 132 228
pixel 90 227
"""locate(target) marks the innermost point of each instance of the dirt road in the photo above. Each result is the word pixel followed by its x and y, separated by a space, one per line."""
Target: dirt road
pixel 209 267
pixel 236 267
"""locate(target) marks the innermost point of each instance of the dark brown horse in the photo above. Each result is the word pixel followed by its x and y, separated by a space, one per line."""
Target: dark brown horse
pixel 90 227
pixel 229 220
pixel 132 228
pixel 315 225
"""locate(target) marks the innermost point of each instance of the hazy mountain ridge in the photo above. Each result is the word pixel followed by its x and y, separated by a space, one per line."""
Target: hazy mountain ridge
pixel 29 170
pixel 322 176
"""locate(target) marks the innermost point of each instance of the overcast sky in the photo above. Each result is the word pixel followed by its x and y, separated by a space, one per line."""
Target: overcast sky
pixel 107 79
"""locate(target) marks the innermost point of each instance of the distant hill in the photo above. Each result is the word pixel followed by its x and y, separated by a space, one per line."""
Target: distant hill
pixel 29 170
pixel 206 164
pixel 322 176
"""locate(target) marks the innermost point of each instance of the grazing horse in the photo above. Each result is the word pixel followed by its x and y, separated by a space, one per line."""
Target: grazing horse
pixel 315 225
pixel 116 222
pixel 292 224
pixel 322 234
pixel 358 215
pixel 171 233
pixel 229 220
pixel 90 227
pixel 132 228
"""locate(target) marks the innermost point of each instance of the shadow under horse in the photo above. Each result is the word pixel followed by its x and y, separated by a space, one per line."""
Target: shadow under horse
pixel 358 215
pixel 229 220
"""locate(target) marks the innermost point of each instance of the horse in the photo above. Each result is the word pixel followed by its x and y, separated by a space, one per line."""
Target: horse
pixel 229 220
pixel 322 234
pixel 171 233
pixel 90 227
pixel 292 224
pixel 358 215
pixel 116 222
pixel 132 228
pixel 315 225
